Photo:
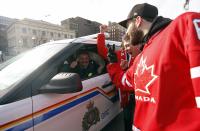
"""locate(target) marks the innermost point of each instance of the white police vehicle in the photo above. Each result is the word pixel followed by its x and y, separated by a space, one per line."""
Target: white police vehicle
pixel 35 95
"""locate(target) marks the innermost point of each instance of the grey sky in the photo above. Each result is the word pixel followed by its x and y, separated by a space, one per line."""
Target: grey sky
pixel 97 10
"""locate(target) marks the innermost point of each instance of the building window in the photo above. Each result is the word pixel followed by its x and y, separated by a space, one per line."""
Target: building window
pixel 34 32
pixel 25 42
pixel 71 36
pixel 65 35
pixel 58 34
pixel 44 41
pixel 51 34
pixel 43 33
pixel 24 30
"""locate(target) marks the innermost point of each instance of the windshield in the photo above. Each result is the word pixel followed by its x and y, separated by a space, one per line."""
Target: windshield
pixel 21 66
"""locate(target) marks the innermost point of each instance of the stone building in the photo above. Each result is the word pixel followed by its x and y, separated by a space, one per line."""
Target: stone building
pixel 4 23
pixel 116 31
pixel 27 33
pixel 81 26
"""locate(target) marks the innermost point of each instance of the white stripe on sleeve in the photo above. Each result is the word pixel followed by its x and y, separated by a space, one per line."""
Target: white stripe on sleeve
pixel 134 128
pixel 198 101
pixel 195 72
pixel 125 81
pixel 128 83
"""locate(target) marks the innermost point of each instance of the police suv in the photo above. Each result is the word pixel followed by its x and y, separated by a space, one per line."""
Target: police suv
pixel 36 95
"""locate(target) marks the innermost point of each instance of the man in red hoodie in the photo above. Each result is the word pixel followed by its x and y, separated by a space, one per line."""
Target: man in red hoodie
pixel 124 58
pixel 166 74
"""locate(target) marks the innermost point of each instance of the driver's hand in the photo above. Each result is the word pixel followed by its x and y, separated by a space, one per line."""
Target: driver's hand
pixel 73 64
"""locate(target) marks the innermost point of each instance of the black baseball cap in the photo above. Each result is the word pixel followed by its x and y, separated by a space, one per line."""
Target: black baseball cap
pixel 145 10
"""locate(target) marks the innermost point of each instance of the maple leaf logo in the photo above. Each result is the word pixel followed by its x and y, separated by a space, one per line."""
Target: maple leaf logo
pixel 144 76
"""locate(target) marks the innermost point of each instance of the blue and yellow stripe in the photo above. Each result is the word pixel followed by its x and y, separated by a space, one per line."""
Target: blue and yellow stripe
pixel 26 122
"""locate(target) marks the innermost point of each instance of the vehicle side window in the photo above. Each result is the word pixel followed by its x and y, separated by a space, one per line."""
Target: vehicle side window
pixel 86 62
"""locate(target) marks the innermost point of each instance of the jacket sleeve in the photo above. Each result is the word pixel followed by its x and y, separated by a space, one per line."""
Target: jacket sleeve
pixel 102 49
pixel 191 39
pixel 101 46
pixel 120 78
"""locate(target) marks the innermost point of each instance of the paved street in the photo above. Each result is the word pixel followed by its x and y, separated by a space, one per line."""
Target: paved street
pixel 116 125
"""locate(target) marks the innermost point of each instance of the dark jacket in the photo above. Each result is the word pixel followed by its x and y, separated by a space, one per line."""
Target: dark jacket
pixel 84 73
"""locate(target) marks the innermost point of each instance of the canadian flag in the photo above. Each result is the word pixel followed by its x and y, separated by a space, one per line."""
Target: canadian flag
pixel 197 27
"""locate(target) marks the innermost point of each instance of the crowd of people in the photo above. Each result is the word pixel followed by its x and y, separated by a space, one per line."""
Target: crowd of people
pixel 162 70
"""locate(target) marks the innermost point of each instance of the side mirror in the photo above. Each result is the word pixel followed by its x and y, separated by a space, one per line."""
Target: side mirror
pixel 63 83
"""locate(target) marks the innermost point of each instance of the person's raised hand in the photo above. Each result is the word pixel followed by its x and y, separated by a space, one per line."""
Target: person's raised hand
pixel 103 28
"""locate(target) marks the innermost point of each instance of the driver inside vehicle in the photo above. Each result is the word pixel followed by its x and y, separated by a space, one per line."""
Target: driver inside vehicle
pixel 84 66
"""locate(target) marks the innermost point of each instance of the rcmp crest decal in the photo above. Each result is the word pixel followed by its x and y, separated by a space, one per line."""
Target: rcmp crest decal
pixel 91 117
